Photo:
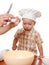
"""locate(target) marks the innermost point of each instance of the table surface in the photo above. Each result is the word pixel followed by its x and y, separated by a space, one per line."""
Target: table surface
pixel 36 62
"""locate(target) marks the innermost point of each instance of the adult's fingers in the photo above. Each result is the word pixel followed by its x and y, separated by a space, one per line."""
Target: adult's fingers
pixel 6 16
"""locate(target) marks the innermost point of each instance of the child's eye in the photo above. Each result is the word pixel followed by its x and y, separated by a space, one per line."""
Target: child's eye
pixel 24 23
pixel 29 24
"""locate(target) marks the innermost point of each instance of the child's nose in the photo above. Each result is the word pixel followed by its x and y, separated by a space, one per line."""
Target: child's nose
pixel 26 25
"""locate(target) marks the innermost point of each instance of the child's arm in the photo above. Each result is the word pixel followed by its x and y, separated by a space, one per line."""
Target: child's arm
pixel 14 46
pixel 40 48
pixel 16 37
pixel 39 44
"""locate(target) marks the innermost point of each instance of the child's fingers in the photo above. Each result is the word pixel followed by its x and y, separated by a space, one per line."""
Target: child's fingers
pixel 14 47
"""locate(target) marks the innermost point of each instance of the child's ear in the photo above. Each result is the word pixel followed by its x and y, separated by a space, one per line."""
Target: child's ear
pixel 38 14
pixel 34 23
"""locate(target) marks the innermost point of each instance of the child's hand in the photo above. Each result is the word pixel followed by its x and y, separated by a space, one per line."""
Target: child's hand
pixel 40 57
pixel 14 47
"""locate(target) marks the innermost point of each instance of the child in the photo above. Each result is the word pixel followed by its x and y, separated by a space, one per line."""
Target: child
pixel 28 37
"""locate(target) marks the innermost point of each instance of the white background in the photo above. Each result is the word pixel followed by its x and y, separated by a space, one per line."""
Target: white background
pixel 42 24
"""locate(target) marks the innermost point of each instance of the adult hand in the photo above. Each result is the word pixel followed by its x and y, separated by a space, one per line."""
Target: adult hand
pixel 6 22
pixel 4 18
pixel 14 22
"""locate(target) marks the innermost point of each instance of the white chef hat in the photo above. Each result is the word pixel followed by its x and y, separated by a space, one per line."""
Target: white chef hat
pixel 29 13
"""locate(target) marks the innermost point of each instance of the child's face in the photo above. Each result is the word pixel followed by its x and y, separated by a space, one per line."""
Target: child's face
pixel 28 24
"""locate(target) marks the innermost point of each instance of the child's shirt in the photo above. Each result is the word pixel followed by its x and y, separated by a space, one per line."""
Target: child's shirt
pixel 28 41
